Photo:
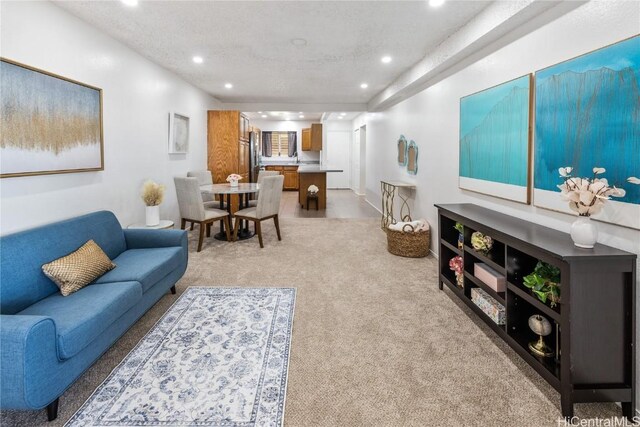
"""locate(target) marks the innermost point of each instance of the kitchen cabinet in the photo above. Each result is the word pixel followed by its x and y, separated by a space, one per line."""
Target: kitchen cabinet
pixel 243 160
pixel 228 145
pixel 306 139
pixel 316 137
pixel 290 176
pixel 312 138
pixel 244 127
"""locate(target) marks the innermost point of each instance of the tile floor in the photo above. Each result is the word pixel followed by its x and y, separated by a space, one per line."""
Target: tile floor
pixel 340 204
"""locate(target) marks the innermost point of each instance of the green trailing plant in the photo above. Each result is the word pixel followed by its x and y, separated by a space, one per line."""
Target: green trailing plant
pixel 459 227
pixel 544 282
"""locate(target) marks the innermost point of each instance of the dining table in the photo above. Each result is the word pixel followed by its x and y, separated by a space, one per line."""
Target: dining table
pixel 243 192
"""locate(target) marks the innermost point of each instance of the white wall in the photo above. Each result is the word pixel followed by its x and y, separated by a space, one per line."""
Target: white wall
pixel 288 126
pixel 431 118
pixel 137 97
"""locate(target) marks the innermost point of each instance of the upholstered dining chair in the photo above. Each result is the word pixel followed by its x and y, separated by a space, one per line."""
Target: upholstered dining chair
pixel 194 210
pixel 204 178
pixel 268 207
pixel 261 176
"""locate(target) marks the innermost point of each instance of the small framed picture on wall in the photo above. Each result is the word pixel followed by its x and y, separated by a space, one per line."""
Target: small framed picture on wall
pixel 178 133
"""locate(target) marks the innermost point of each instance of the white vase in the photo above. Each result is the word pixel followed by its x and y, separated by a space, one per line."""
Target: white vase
pixel 233 182
pixel 584 232
pixel 153 216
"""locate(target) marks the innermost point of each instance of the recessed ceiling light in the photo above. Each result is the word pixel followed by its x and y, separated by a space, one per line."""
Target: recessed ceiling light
pixel 299 42
pixel 264 116
pixel 259 112
pixel 301 116
pixel 130 3
pixel 198 59
pixel 385 59
pixel 340 117
pixel 436 3
pixel 364 85
pixel 343 114
pixel 275 113
pixel 228 85
pixel 299 112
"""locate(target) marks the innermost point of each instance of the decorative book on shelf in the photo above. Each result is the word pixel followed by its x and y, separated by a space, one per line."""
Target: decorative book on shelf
pixel 591 308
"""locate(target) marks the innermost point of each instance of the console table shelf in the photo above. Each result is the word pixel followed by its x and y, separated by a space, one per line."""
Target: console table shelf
pixel 593 327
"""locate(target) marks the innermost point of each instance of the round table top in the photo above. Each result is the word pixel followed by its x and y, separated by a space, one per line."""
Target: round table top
pixel 242 188
pixel 164 223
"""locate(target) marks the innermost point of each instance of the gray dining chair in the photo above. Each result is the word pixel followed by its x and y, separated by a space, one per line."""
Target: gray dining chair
pixel 268 207
pixel 204 178
pixel 261 176
pixel 195 211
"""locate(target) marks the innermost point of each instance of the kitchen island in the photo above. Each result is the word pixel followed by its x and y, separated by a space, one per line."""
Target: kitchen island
pixel 313 175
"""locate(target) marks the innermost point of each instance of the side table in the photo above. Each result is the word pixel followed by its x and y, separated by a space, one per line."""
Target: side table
pixel 164 224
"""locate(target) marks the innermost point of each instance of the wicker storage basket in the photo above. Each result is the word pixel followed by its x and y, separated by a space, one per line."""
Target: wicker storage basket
pixel 408 244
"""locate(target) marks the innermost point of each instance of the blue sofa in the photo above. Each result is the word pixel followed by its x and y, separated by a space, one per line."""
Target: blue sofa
pixel 46 340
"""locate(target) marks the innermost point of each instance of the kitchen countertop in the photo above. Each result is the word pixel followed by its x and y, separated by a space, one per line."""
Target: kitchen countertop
pixel 283 163
pixel 316 169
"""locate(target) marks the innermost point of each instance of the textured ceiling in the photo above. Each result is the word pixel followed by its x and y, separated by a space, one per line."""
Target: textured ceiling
pixel 249 43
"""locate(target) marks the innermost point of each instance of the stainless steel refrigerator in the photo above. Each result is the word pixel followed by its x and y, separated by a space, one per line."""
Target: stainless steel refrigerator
pixel 255 151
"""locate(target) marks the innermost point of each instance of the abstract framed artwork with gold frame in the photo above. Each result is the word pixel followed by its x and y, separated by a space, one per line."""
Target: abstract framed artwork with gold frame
pixel 495 140
pixel 50 124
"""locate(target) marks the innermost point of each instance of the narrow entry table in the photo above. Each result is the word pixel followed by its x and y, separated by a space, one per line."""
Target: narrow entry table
pixel 388 190
pixel 242 191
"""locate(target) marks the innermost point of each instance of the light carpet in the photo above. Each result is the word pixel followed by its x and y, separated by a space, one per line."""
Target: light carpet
pixel 218 357
pixel 375 343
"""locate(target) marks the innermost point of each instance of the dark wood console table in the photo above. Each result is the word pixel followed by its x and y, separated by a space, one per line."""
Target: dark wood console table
pixel 593 326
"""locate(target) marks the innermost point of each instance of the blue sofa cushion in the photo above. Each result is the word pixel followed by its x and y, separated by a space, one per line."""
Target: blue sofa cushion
pixel 82 316
pixel 146 266
pixel 22 255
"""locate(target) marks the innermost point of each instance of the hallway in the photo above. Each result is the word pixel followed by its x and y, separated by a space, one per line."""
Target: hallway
pixel 340 204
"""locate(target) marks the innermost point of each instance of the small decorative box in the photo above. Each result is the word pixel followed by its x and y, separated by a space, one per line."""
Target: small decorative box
pixel 490 277
pixel 488 305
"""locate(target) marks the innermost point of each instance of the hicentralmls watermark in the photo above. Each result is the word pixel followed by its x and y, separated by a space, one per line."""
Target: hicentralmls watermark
pixel 599 422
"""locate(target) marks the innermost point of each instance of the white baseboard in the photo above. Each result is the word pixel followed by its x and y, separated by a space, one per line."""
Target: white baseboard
pixel 374 206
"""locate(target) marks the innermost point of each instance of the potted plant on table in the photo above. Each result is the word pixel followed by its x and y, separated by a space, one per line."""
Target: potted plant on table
pixel 233 179
pixel 544 282
pixel 586 197
pixel 152 196
pixel 460 228
pixel 456 265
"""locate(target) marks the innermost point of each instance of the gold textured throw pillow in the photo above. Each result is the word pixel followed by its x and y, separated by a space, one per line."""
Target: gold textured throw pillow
pixel 76 270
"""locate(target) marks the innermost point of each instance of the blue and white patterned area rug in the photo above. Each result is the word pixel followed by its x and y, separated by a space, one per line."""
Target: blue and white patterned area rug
pixel 218 357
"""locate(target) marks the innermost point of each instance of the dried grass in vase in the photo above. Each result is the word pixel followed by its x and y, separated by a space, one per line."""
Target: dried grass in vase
pixel 152 193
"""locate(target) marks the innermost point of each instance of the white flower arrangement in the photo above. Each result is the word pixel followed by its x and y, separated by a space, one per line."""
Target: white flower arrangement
pixel 587 196
pixel 234 177
pixel 313 189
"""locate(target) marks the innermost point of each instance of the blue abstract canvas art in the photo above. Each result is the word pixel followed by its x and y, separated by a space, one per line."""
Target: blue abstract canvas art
pixel 494 140
pixel 588 115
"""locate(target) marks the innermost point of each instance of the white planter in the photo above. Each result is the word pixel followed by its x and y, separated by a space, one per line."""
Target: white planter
pixel 152 216
pixel 233 182
pixel 584 232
